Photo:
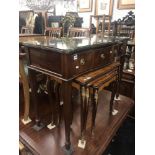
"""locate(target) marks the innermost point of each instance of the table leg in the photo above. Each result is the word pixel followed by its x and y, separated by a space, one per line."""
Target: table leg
pixel 114 88
pixel 33 84
pixel 120 72
pixel 25 83
pixel 94 108
pixel 67 110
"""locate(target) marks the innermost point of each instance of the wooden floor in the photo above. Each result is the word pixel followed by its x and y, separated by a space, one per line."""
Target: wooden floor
pixel 50 142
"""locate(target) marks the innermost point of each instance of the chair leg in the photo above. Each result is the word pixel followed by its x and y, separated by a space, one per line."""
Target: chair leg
pixel 94 108
pixel 57 105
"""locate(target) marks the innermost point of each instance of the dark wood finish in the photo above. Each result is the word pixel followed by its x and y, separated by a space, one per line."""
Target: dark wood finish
pixel 50 142
pixel 128 84
pixel 104 56
pixel 66 96
pixel 126 26
pixel 53 57
pixel 80 58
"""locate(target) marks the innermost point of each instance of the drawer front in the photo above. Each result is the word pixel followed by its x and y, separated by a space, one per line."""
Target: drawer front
pixel 81 62
pixel 45 59
pixel 103 56
pixel 128 77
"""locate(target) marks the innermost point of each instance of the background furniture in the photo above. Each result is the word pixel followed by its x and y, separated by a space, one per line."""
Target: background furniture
pixel 78 32
pixel 102 26
pixel 53 31
pixel 126 26
pixel 59 21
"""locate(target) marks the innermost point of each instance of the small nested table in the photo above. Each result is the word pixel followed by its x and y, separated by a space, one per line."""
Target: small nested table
pixel 89 85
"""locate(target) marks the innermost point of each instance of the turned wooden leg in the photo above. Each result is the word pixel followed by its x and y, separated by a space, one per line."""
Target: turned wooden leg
pixel 112 96
pixel 86 107
pixel 85 99
pixel 25 90
pixel 82 96
pixel 33 84
pixel 94 108
pixel 119 80
pixel 67 110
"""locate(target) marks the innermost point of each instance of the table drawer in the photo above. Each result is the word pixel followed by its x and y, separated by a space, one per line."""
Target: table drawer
pixel 81 62
pixel 103 56
pixel 48 60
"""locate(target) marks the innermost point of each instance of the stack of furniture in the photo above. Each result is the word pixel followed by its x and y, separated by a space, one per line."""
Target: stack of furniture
pixel 64 60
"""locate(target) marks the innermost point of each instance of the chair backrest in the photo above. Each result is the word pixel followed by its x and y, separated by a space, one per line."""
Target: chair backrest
pixel 54 32
pixel 103 23
pixel 78 32
pixel 126 26
pixel 27 30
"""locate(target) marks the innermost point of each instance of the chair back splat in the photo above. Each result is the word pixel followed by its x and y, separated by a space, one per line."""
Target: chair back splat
pixel 78 32
pixel 53 32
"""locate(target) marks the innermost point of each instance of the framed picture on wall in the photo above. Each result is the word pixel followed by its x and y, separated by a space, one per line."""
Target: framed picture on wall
pixel 104 7
pixel 85 5
pixel 126 4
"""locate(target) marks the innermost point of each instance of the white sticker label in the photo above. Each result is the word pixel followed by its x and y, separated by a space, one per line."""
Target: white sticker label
pixel 75 57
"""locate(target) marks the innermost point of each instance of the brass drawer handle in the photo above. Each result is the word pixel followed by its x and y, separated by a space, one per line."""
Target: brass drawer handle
pixel 82 61
pixel 102 56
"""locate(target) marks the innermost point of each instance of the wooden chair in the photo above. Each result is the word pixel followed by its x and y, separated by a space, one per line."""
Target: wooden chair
pixel 27 30
pixel 90 85
pixel 101 27
pixel 126 26
pixel 78 32
pixel 53 32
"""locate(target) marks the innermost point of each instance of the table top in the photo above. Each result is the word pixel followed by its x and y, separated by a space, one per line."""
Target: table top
pixel 69 45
